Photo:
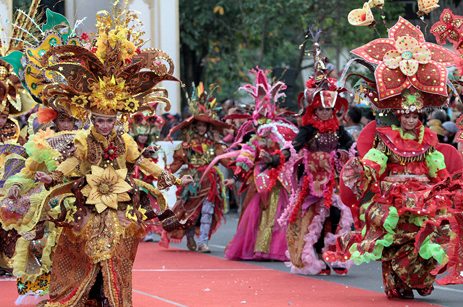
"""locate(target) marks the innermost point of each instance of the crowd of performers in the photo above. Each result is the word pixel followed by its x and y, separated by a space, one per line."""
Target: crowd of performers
pixel 80 185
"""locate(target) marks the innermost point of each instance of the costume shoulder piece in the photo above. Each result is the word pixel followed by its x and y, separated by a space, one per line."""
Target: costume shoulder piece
pixel 398 143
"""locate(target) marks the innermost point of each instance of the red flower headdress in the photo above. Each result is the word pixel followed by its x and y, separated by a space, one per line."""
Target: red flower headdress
pixel 407 65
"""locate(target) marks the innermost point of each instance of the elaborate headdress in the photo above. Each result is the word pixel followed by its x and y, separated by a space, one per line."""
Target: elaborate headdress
pixel 14 99
pixel 110 76
pixel 265 114
pixel 32 72
pixel 203 107
pixel 321 91
pixel 410 74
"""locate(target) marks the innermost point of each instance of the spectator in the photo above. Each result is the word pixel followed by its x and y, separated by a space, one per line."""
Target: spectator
pixel 450 129
pixel 440 115
pixel 352 121
pixel 226 106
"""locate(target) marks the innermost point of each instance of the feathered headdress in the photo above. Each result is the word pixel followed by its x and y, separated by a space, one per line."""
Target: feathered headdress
pixel 202 102
pixel 33 74
pixel 265 114
pixel 203 107
pixel 320 91
pixel 265 96
pixel 14 99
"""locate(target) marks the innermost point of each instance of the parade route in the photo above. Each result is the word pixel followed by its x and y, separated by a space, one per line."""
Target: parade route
pixel 176 277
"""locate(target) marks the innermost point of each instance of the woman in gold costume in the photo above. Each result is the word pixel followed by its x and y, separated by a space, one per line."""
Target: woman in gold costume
pixel 113 79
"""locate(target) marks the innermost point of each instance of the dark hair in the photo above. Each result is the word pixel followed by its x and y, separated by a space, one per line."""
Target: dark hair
pixel 355 113
pixel 440 115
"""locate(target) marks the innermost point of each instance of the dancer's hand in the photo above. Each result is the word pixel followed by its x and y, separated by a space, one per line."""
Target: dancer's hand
pixel 265 157
pixel 228 182
pixel 186 179
pixel 43 177
pixel 14 191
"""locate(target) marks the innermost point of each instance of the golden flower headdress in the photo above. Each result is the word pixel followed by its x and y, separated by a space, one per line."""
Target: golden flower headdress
pixel 112 76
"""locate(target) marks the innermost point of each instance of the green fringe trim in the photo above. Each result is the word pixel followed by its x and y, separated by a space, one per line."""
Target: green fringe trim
pixel 389 225
pixel 377 253
pixel 434 250
pixel 243 166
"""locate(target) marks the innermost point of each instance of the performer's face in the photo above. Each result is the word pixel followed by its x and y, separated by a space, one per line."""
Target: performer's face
pixel 201 127
pixel 409 121
pixel 3 119
pixel 323 113
pixel 142 138
pixel 65 123
pixel 104 125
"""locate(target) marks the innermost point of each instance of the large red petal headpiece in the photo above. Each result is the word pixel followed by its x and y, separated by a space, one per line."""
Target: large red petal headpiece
pixel 403 62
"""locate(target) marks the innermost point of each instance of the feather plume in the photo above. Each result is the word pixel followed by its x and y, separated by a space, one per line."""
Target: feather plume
pixel 23 26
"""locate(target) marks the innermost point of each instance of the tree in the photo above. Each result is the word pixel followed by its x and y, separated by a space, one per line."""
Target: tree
pixel 222 39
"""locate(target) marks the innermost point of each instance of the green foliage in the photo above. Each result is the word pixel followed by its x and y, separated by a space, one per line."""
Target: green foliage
pixel 222 39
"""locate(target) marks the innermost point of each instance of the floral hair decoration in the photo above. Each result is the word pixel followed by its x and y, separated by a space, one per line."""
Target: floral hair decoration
pixel 406 65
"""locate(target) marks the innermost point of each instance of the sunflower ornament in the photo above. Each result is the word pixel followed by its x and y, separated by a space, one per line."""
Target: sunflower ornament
pixel 106 187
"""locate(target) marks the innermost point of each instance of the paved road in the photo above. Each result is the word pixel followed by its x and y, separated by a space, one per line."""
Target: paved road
pixel 366 276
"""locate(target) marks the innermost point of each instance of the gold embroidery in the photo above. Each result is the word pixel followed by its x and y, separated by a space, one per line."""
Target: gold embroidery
pixel 267 221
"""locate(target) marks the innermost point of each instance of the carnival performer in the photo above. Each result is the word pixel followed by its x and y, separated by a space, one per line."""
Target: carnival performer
pixel 94 255
pixel 205 202
pixel 50 142
pixel 316 214
pixel 145 129
pixel 258 235
pixel 409 223
pixel 14 101
pixel 22 208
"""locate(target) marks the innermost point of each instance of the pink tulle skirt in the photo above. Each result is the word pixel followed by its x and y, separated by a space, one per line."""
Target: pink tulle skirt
pixel 242 246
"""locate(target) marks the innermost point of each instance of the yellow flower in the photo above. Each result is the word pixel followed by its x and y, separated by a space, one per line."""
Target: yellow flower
pixel 128 49
pixel 108 93
pixel 106 187
pixel 101 46
pixel 131 105
pixel 80 100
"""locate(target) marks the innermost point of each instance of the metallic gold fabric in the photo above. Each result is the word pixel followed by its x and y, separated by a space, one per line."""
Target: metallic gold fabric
pixel 267 220
pixel 295 235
